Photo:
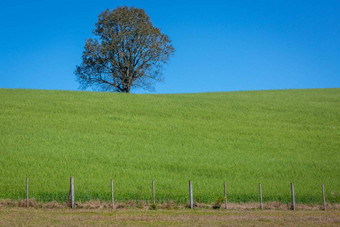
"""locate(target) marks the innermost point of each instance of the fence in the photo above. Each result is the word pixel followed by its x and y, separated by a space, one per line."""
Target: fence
pixel 70 197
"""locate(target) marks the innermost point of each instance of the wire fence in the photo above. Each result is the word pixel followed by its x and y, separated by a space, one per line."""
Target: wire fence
pixel 156 191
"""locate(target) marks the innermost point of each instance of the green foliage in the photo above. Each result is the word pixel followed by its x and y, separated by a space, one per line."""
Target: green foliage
pixel 153 206
pixel 218 202
pixel 129 52
pixel 243 138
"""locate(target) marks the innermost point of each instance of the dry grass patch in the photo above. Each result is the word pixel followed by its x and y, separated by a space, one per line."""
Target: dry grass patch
pixel 14 216
pixel 170 205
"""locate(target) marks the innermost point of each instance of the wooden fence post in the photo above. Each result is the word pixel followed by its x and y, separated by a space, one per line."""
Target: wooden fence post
pixel 26 191
pixel 323 197
pixel 225 196
pixel 260 188
pixel 191 196
pixel 112 195
pixel 153 192
pixel 71 194
pixel 293 195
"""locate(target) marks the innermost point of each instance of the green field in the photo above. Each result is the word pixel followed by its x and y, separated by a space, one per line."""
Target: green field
pixel 273 137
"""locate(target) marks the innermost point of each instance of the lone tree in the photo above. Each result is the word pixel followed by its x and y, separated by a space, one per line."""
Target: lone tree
pixel 130 52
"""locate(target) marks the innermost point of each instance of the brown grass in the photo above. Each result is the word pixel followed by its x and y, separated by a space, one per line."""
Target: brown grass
pixel 170 205
pixel 97 215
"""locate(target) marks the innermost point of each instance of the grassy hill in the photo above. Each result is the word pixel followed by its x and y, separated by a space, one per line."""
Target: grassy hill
pixel 273 137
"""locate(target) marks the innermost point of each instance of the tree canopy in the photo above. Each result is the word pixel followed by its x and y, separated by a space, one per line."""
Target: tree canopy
pixel 129 52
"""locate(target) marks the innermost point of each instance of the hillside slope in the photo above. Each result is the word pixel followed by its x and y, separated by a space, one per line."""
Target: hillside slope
pixel 273 137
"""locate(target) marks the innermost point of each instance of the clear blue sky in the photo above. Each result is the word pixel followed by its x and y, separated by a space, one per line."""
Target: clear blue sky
pixel 220 45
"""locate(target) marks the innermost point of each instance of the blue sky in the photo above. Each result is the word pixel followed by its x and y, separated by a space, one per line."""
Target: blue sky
pixel 220 45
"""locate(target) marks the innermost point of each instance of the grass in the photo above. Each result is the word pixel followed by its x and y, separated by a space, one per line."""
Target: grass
pixel 201 217
pixel 273 137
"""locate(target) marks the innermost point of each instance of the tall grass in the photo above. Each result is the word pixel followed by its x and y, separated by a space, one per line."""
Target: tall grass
pixel 243 138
